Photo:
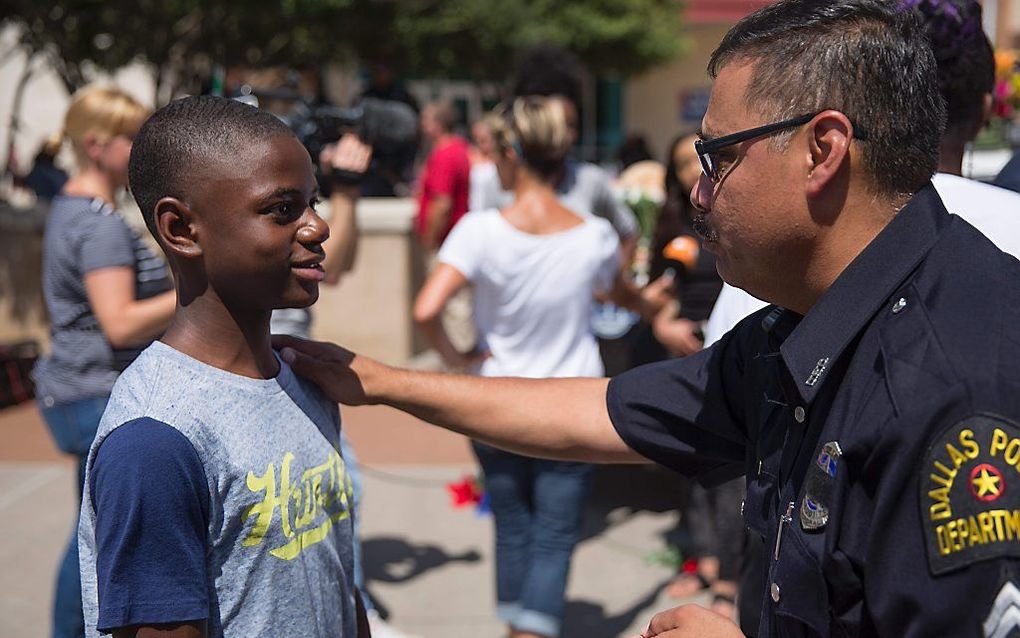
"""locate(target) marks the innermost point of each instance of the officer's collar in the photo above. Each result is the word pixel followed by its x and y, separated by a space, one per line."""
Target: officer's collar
pixel 861 290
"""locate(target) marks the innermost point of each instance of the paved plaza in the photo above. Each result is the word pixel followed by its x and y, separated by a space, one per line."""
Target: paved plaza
pixel 429 565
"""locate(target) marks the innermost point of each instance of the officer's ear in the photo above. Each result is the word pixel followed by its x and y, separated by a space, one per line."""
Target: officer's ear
pixel 829 136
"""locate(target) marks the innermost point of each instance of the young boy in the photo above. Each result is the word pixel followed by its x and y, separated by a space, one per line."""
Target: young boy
pixel 217 502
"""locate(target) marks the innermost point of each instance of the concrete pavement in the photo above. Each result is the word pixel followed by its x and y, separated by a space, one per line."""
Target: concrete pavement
pixel 429 565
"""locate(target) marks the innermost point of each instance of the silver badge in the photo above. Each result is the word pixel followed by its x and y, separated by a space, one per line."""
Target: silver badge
pixel 819 487
pixel 813 515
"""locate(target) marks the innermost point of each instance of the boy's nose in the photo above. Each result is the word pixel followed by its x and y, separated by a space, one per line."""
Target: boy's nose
pixel 314 230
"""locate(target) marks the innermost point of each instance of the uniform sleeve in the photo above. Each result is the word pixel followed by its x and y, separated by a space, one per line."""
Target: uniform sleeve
pixel 151 501
pixel 105 243
pixel 616 212
pixel 687 414
pixel 464 247
pixel 608 260
pixel 950 567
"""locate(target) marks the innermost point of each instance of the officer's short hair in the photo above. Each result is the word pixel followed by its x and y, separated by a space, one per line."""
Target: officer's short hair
pixel 174 146
pixel 966 62
pixel 868 59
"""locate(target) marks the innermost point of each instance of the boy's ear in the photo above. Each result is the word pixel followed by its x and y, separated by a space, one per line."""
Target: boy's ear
pixel 175 224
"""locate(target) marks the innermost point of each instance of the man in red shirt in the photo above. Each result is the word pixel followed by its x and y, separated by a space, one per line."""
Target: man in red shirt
pixel 444 180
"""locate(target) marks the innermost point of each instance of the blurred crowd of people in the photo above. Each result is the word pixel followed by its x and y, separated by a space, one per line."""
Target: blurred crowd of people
pixel 532 258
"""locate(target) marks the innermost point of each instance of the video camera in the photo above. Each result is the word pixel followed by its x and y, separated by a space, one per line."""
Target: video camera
pixel 382 124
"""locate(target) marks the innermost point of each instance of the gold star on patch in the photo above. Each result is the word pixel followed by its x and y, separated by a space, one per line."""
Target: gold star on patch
pixel 986 484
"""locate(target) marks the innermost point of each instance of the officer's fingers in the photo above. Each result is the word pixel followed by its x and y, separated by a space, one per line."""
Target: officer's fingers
pixel 680 618
pixel 316 349
pixel 286 341
pixel 689 621
pixel 304 365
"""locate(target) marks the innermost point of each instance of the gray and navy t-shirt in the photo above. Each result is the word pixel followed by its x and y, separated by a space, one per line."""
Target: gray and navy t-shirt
pixel 212 496
pixel 85 234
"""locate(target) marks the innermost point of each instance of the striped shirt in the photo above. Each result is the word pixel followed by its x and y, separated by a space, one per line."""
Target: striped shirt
pixel 83 235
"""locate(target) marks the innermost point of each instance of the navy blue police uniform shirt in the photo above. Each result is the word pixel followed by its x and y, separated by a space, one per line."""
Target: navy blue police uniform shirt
pixel 879 435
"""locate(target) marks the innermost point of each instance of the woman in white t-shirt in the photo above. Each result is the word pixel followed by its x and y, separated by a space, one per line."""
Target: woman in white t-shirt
pixel 535 267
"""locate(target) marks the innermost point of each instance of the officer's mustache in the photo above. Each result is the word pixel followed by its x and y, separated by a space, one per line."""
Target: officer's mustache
pixel 703 229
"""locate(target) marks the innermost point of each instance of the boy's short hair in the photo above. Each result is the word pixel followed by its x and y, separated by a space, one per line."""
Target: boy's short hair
pixel 174 145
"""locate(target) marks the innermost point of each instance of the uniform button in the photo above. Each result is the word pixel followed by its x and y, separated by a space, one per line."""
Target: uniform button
pixel 799 414
pixel 774 590
pixel 900 304
pixel 741 507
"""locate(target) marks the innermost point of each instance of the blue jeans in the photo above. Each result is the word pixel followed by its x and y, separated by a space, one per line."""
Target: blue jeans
pixel 537 507
pixel 73 426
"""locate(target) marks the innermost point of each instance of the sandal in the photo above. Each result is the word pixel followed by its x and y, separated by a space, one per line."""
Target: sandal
pixel 725 605
pixel 687 584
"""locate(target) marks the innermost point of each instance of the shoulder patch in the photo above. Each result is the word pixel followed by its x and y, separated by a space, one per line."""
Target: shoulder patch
pixel 970 493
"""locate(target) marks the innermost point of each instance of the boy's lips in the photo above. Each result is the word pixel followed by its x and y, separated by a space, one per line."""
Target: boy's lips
pixel 310 270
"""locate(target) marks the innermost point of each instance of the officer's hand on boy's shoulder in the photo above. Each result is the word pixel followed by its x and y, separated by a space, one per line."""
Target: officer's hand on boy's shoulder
pixel 342 375
pixel 690 621
pixel 346 162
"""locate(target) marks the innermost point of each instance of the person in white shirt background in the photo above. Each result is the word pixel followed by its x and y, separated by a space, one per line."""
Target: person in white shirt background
pixel 535 266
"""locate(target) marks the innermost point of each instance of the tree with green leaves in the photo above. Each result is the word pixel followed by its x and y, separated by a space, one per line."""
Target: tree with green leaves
pixel 182 39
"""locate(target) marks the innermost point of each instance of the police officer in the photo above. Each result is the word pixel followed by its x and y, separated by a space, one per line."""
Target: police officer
pixel 873 408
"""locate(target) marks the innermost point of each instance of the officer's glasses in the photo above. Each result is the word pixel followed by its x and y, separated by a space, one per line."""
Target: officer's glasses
pixel 706 148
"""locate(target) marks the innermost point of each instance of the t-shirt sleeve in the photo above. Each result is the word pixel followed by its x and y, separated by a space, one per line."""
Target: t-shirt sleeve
pixel 608 260
pixel 464 247
pixel 105 242
pixel 686 414
pixel 151 500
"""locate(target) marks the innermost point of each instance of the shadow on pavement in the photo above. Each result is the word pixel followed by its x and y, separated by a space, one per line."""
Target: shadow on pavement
pixel 621 490
pixel 394 560
pixel 583 618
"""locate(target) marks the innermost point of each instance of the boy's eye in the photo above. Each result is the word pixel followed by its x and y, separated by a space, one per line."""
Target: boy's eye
pixel 286 211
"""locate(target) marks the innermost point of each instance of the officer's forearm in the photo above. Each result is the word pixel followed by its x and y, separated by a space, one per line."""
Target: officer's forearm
pixel 551 418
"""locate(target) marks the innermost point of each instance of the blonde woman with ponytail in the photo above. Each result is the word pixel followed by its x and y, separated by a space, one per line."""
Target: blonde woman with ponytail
pixel 108 295
pixel 535 267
